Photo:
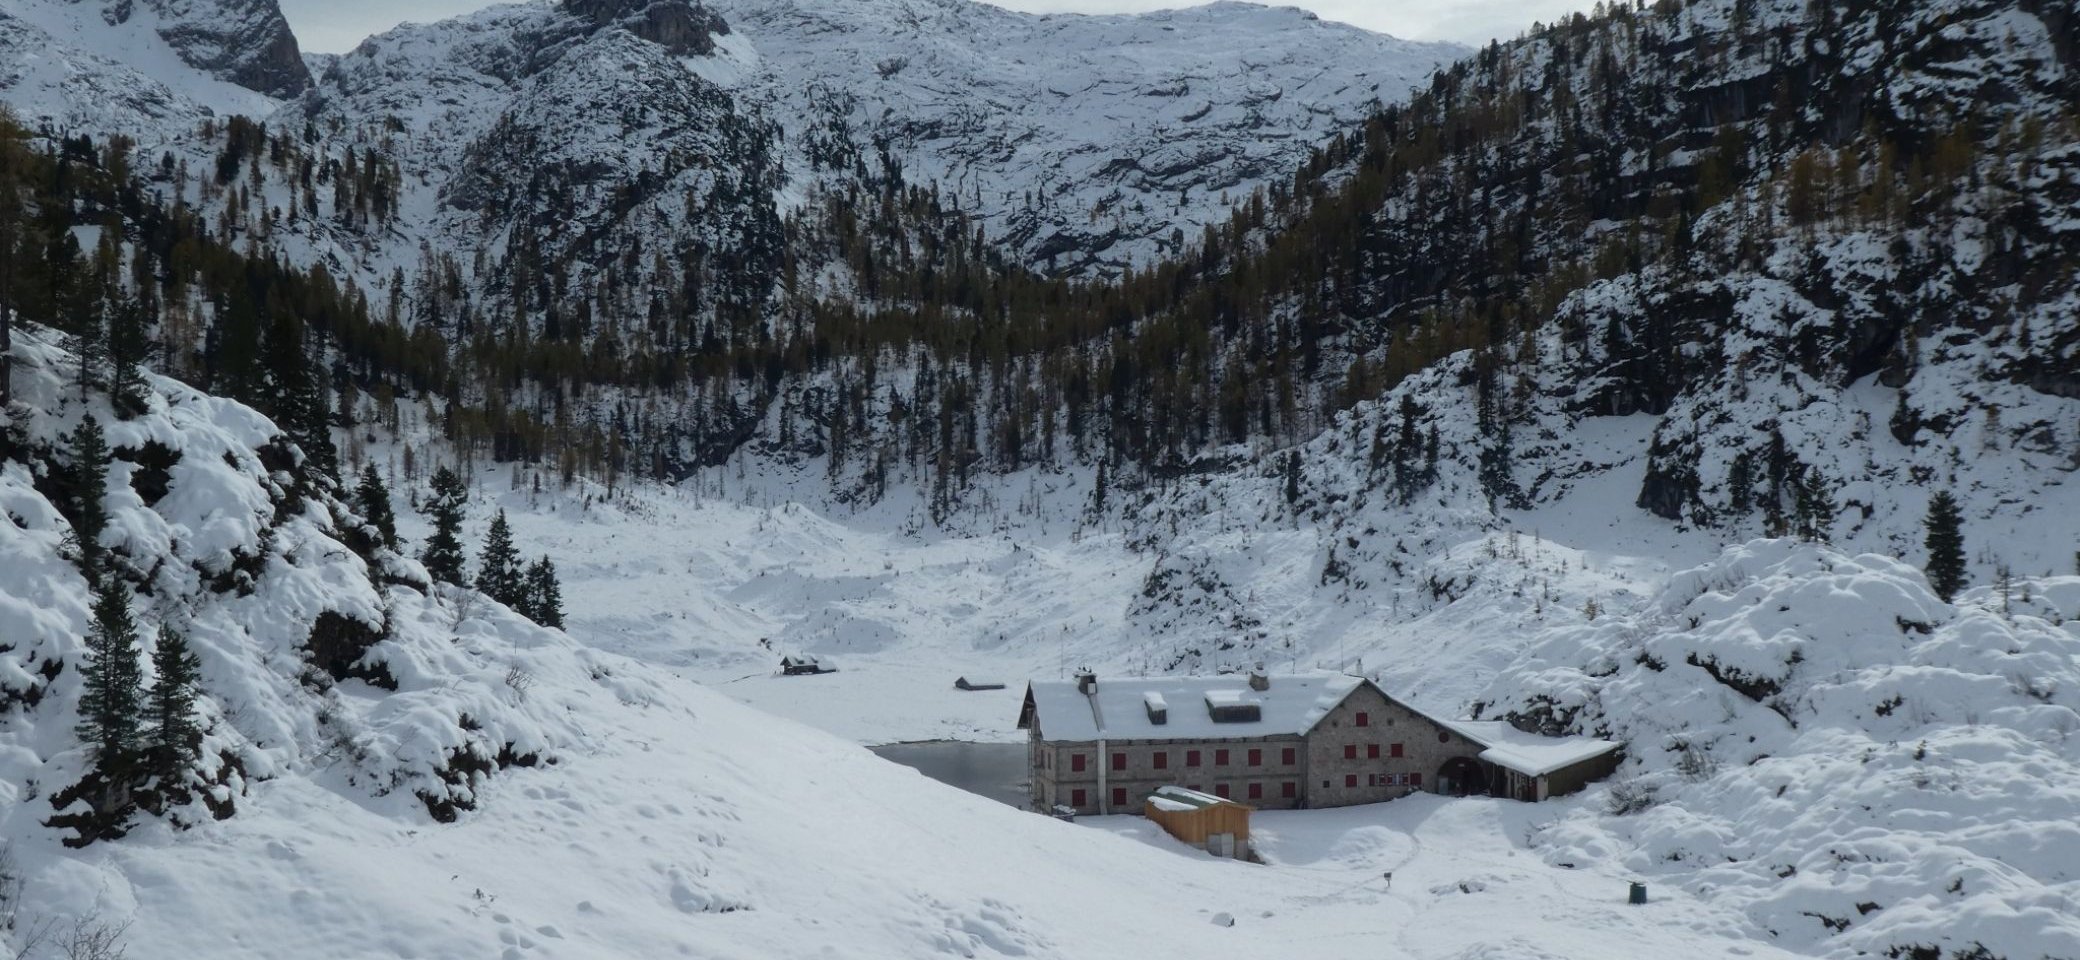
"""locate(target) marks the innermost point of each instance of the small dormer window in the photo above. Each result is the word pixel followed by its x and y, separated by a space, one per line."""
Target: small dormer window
pixel 1233 706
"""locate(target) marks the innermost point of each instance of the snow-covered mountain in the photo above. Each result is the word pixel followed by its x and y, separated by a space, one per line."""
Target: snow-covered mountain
pixel 553 139
pixel 151 69
pixel 1491 405
pixel 1084 143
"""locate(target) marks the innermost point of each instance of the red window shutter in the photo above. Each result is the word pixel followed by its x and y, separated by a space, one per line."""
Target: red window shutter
pixel 1415 779
pixel 1350 779
pixel 1372 751
pixel 1350 751
pixel 1119 796
pixel 1076 762
pixel 1289 789
pixel 1286 756
pixel 1220 790
pixel 1364 719
pixel 1220 758
pixel 1256 791
pixel 1395 752
pixel 1076 798
pixel 1119 761
pixel 1191 758
pixel 1256 758
pixel 1162 760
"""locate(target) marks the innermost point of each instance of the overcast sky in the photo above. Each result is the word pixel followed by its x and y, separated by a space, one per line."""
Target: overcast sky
pixel 335 26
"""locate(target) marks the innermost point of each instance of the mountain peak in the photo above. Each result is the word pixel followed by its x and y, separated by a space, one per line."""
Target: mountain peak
pixel 246 42
pixel 685 29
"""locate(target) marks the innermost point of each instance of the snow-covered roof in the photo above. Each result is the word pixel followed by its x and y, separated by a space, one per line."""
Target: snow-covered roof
pixel 1174 799
pixel 1530 754
pixel 1289 705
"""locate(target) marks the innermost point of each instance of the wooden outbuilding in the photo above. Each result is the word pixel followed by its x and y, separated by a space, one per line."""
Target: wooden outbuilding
pixel 1217 826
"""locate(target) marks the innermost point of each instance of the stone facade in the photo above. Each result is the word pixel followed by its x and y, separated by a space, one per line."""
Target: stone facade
pixel 1370 748
pixel 1265 772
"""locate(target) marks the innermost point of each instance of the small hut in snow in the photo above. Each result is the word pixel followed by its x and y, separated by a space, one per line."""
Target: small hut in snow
pixel 1216 825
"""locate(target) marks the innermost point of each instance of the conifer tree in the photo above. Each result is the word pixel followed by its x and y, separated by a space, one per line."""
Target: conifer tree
pixel 498 573
pixel 110 707
pixel 1813 506
pixel 171 704
pixel 296 401
pixel 544 595
pixel 88 477
pixel 443 554
pixel 127 345
pixel 1945 542
pixel 373 497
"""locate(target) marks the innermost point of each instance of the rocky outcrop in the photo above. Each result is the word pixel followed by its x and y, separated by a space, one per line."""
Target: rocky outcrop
pixel 684 29
pixel 246 42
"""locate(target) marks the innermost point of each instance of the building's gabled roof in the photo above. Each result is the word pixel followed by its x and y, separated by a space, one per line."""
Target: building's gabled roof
pixel 1531 754
pixel 1124 708
pixel 1224 707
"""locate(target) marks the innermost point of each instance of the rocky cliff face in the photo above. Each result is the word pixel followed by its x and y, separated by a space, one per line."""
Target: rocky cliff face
pixel 246 42
pixel 682 29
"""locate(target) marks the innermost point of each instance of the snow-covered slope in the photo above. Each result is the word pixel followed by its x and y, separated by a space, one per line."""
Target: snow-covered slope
pixel 638 814
pixel 150 70
pixel 1818 739
pixel 320 649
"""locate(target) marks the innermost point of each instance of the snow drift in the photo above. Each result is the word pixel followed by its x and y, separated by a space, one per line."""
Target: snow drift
pixel 1817 737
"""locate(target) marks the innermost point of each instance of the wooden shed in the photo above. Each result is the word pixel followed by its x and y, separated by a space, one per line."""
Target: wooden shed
pixel 1216 825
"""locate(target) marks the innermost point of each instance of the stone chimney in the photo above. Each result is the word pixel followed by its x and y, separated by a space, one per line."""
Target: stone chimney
pixel 1086 681
pixel 1258 679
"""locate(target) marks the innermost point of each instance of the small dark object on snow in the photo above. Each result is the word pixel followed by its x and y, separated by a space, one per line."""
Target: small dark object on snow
pixel 1639 892
pixel 799 665
pixel 1062 812
pixel 964 684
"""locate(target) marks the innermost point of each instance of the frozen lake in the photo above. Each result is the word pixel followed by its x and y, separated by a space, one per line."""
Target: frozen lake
pixel 994 770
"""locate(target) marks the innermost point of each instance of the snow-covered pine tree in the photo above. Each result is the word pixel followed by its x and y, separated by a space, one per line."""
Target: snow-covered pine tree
pixel 443 554
pixel 85 481
pixel 171 705
pixel 1813 506
pixel 110 707
pixel 498 572
pixel 544 595
pixel 1945 543
pixel 128 344
pixel 298 401
pixel 373 499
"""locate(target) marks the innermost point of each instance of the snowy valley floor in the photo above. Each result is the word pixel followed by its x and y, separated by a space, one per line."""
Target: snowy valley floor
pixel 693 586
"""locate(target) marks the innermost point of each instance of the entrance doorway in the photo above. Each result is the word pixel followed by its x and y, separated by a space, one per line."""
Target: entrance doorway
pixel 1462 777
